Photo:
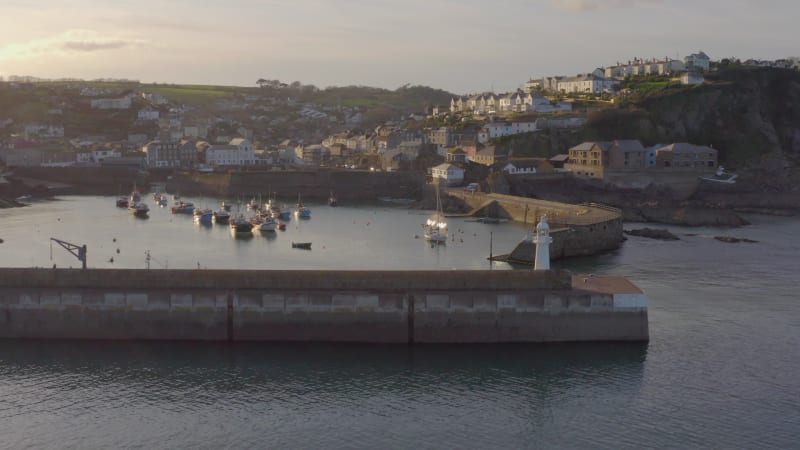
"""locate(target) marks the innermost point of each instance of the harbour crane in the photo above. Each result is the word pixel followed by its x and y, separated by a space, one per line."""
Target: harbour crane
pixel 77 250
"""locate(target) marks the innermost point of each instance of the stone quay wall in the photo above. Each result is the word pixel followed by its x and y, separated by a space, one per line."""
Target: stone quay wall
pixel 335 306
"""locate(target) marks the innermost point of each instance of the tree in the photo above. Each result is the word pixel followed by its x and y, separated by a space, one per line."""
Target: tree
pixel 261 82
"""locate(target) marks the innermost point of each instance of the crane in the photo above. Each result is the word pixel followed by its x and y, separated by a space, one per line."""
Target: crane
pixel 77 250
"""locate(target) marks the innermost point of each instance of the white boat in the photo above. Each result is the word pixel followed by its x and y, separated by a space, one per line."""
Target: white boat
pixel 721 176
pixel 435 228
pixel 264 224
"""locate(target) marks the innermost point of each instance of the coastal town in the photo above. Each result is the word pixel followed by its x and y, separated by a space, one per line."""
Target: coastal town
pixel 278 126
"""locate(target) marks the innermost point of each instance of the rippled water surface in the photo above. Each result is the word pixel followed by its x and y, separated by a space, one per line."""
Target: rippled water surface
pixel 721 369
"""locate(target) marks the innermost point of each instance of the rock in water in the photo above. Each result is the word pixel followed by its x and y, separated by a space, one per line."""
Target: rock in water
pixel 653 233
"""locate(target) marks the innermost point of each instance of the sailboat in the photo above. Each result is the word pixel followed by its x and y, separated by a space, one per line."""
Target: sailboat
pixel 435 227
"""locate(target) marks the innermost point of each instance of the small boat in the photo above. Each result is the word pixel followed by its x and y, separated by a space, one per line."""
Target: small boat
pixel 162 201
pixel 139 209
pixel 281 226
pixel 221 216
pixel 122 202
pixel 302 245
pixel 332 200
pixel 226 206
pixel 182 208
pixel 434 228
pixel 721 176
pixel 301 211
pixel 176 197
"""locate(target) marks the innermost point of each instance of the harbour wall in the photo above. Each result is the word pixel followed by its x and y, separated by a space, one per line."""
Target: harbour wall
pixel 341 306
pixel 312 184
pixel 577 230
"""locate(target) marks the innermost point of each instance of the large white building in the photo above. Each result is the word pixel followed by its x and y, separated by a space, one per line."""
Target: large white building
pixel 500 129
pixel 585 84
pixel 698 62
pixel 238 152
pixel 448 174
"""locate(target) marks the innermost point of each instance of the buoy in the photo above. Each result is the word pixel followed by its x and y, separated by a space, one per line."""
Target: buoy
pixel 111 260
pixel 114 240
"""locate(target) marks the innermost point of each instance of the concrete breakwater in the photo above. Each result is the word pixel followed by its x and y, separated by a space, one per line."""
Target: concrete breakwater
pixel 346 306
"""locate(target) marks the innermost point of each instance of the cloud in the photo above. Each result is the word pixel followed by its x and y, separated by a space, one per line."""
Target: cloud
pixel 580 6
pixel 71 42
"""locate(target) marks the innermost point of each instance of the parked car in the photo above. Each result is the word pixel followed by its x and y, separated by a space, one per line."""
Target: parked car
pixel 472 188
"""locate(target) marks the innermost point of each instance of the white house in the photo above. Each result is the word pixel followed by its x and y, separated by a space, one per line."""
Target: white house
pixel 111 103
pixel 238 152
pixel 589 84
pixel 500 129
pixel 96 156
pixel 44 131
pixel 148 114
pixel 697 62
pixel 519 169
pixel 448 174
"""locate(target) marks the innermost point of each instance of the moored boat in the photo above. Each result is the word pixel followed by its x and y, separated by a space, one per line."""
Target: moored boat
pixel 122 202
pixel 240 225
pixel 139 209
pixel 720 176
pixel 221 216
pixel 182 208
pixel 203 216
pixel 263 224
pixel 302 245
pixel 332 200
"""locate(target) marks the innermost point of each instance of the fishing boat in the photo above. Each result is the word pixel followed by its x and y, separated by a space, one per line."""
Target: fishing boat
pixel 240 225
pixel 221 216
pixel 182 208
pixel 203 216
pixel 302 245
pixel 301 211
pixel 139 209
pixel 122 202
pixel 435 227
pixel 332 200
pixel 282 226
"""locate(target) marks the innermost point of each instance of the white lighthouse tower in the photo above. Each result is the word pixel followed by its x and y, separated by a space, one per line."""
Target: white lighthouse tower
pixel 542 241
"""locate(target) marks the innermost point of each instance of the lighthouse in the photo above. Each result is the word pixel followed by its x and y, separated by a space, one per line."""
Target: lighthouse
pixel 542 241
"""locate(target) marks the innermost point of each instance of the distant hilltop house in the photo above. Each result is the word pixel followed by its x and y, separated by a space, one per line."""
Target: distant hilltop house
pixel 506 103
pixel 155 99
pixel 637 66
pixel 111 103
pixel 594 159
pixel 590 83
pixel 697 62
pixel 500 129
pixel 447 174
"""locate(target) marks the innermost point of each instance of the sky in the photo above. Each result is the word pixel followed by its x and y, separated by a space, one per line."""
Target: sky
pixel 462 46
